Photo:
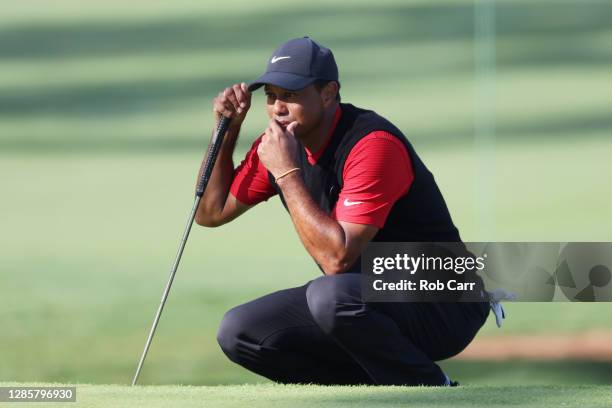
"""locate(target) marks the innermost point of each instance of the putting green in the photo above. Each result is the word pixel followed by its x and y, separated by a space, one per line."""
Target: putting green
pixel 316 396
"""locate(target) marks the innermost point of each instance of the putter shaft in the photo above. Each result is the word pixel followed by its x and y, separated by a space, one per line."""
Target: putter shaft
pixel 209 164
pixel 168 286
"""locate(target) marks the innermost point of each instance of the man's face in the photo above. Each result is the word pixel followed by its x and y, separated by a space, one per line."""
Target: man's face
pixel 305 106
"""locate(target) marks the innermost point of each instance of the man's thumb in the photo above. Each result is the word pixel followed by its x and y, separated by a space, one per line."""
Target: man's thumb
pixel 291 128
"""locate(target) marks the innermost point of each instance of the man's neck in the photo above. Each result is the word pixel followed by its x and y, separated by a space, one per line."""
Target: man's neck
pixel 315 139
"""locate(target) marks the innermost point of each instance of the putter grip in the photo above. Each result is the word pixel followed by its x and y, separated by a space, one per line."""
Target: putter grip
pixel 211 157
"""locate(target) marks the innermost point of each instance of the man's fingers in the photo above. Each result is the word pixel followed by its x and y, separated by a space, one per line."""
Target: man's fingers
pixel 262 143
pixel 221 108
pixel 241 96
pixel 274 126
pixel 227 109
pixel 233 100
pixel 245 88
pixel 230 95
pixel 291 128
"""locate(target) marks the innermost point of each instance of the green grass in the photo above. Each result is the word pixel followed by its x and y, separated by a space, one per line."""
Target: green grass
pixel 89 243
pixel 115 76
pixel 316 396
pixel 105 113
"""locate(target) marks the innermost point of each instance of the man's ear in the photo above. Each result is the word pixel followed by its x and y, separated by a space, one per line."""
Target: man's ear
pixel 329 92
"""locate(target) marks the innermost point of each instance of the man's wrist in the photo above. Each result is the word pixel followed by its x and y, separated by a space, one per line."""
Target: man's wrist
pixel 230 139
pixel 288 178
pixel 286 173
pixel 233 131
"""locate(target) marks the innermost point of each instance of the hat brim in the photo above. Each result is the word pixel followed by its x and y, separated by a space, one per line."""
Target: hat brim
pixel 284 80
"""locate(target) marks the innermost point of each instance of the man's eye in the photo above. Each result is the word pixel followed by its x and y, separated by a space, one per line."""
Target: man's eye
pixel 289 95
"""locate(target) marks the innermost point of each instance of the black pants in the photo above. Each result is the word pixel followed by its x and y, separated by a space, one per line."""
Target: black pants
pixel 322 333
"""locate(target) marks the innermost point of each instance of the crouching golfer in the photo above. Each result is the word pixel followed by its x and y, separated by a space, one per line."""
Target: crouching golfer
pixel 347 176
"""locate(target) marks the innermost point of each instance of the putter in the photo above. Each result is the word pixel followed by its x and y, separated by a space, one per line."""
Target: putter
pixel 213 151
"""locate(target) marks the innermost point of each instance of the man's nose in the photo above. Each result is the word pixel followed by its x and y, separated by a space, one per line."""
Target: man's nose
pixel 280 107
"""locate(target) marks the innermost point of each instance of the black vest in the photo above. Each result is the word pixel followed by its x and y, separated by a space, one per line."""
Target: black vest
pixel 420 215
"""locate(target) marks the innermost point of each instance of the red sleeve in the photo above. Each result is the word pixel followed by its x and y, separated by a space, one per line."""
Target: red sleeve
pixel 251 184
pixel 377 172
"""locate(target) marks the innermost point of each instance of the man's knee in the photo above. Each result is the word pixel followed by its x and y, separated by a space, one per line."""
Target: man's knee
pixel 230 331
pixel 331 298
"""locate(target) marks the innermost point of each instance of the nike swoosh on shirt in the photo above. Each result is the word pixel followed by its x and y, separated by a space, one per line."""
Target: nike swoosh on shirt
pixel 348 203
pixel 274 60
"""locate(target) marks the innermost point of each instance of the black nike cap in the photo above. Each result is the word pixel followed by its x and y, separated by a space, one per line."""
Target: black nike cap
pixel 296 64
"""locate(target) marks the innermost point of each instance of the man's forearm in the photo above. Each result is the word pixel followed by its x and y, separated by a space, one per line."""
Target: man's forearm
pixel 322 236
pixel 215 195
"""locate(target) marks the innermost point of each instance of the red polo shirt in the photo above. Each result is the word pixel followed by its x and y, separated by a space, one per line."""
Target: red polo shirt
pixel 370 176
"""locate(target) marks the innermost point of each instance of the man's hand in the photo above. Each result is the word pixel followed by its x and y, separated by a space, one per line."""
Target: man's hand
pixel 233 102
pixel 218 206
pixel 278 149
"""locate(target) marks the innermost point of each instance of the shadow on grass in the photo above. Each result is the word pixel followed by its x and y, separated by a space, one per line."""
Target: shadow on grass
pixel 342 26
pixel 540 34
pixel 559 38
pixel 110 99
pixel 588 126
pixel 484 373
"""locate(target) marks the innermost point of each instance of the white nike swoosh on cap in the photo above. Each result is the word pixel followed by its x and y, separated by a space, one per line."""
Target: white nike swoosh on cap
pixel 348 203
pixel 276 59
